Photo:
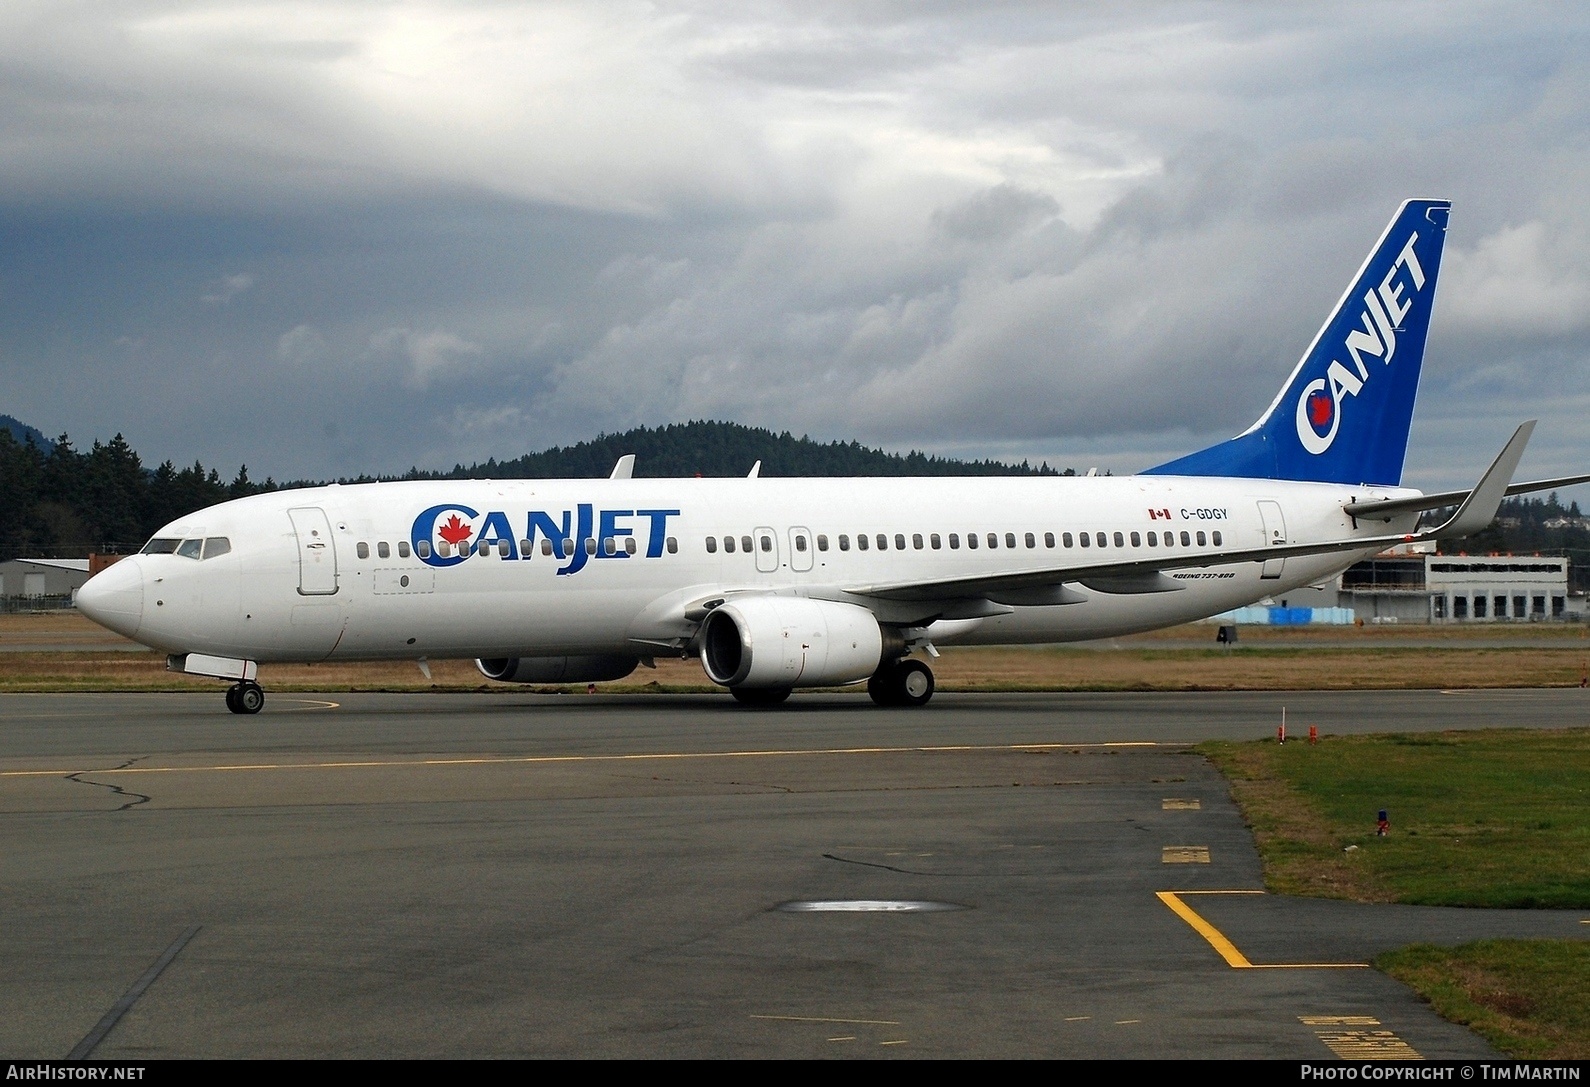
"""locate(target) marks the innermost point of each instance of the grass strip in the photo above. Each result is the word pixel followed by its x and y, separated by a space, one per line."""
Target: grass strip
pixel 1528 998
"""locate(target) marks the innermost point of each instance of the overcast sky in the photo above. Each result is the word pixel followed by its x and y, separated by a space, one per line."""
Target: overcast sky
pixel 348 236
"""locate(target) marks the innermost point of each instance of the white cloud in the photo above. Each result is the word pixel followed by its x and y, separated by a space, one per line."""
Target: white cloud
pixel 229 288
pixel 301 346
pixel 1520 281
pixel 430 355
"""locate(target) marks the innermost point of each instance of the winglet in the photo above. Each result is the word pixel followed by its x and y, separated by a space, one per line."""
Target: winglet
pixel 625 468
pixel 1479 508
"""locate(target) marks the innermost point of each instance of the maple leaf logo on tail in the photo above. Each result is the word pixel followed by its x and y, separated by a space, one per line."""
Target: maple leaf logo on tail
pixel 455 531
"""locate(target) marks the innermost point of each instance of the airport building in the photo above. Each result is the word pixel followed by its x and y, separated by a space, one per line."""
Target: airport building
pixel 1432 588
pixel 41 584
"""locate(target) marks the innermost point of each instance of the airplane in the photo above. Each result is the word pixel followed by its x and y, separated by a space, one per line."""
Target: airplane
pixel 779 584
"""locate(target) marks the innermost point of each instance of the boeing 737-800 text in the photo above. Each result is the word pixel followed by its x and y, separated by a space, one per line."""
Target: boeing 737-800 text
pixel 783 583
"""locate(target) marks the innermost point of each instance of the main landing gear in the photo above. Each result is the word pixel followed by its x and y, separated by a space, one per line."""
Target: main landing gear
pixel 245 697
pixel 904 682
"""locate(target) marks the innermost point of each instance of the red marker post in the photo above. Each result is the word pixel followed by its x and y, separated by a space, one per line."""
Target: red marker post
pixel 1313 734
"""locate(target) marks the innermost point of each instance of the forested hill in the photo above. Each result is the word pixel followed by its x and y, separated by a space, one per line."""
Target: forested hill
pixel 22 432
pixel 58 501
pixel 726 449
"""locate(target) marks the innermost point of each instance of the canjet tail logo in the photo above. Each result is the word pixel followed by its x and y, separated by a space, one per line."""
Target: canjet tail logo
pixel 1319 406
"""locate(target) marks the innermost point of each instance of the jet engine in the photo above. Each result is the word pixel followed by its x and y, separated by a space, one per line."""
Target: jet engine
pixel 789 641
pixel 558 669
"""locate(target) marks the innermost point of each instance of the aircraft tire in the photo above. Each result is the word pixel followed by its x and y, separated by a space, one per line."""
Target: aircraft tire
pixel 231 698
pixel 904 683
pixel 250 698
pixel 759 696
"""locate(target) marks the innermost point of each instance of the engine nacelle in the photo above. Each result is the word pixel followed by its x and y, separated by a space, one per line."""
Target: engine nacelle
pixel 591 669
pixel 789 641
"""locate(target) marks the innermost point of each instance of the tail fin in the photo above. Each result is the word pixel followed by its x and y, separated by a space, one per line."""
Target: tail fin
pixel 1343 415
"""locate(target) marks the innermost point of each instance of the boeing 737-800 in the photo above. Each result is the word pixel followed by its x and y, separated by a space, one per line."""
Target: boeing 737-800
pixel 783 583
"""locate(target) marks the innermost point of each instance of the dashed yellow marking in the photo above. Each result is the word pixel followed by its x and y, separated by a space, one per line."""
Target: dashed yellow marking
pixel 844 1038
pixel 1077 1018
pixel 1368 1045
pixel 1184 854
pixel 823 1019
pixel 895 1041
pixel 1126 1022
pixel 1228 950
pixel 1338 1020
pixel 531 760
pixel 1173 803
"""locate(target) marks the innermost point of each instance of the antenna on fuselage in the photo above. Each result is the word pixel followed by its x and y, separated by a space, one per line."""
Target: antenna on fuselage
pixel 756 470
pixel 625 468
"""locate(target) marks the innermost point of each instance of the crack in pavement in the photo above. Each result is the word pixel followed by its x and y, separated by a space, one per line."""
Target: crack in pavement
pixel 137 798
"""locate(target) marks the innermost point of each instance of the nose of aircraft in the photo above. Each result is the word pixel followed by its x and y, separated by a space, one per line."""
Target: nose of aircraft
pixel 114 597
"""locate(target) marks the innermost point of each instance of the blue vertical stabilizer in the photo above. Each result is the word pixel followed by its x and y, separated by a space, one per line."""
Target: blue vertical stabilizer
pixel 1343 415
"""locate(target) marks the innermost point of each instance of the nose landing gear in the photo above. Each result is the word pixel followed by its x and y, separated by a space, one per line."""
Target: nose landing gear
pixel 904 682
pixel 245 697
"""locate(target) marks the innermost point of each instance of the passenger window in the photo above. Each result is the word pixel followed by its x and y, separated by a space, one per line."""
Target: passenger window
pixel 673 545
pixel 1153 539
pixel 444 549
pixel 383 550
pixel 971 540
pixel 423 549
pixel 728 544
pixel 189 549
pixel 1119 540
pixel 916 540
pixel 629 545
pixel 363 550
pixel 590 546
pixel 546 547
pixel 1137 541
pixel 525 550
pixel 160 547
pixel 1048 539
pixel 1186 540
pixel 993 539
pixel 861 541
pixel 712 545
pixel 899 541
pixel 822 542
pixel 767 543
pixel 844 542
pixel 502 549
pixel 800 543
pixel 955 541
pixel 567 549
pixel 1031 542
pixel 1200 539
pixel 1098 538
pixel 403 549
pixel 936 542
pixel 1083 539
pixel 609 545
pixel 883 542
pixel 1010 539
pixel 745 544
pixel 217 545
pixel 1065 539
pixel 1215 536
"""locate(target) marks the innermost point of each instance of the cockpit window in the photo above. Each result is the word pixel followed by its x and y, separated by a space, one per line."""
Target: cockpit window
pixel 160 546
pixel 189 549
pixel 216 545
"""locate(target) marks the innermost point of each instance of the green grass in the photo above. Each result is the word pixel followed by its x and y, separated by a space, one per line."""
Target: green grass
pixel 1491 818
pixel 1495 818
pixel 1528 998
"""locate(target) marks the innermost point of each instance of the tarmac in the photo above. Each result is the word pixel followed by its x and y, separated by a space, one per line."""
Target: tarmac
pixel 513 875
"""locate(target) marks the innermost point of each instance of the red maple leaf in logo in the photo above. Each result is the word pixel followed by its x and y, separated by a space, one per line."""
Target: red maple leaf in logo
pixel 454 531
pixel 1320 409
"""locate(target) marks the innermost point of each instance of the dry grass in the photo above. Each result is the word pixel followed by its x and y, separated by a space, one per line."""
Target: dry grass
pixel 83 656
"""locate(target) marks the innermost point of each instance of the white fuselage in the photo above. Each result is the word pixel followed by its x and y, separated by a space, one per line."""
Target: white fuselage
pixel 358 588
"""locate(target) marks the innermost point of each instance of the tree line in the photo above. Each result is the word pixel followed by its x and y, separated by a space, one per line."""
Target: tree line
pixel 58 501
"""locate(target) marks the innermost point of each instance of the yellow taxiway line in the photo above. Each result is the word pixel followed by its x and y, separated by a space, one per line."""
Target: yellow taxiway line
pixel 1228 950
pixel 528 760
